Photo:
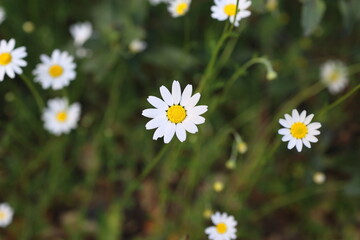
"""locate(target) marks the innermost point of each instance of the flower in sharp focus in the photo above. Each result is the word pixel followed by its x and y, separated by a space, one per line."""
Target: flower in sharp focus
pixel 334 75
pixel 224 228
pixel 81 32
pixel 298 130
pixel 6 214
pixel 11 60
pixel 2 15
pixel 59 117
pixel 226 9
pixel 178 8
pixel 56 71
pixel 175 114
pixel 137 46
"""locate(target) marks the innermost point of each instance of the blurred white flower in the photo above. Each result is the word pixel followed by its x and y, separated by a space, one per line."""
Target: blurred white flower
pixel 156 2
pixel 334 75
pixel 59 117
pixel 56 71
pixel 224 229
pixel 179 8
pixel 298 130
pixel 81 32
pixel 2 14
pixel 6 214
pixel 226 9
pixel 319 178
pixel 11 60
pixel 137 46
pixel 176 114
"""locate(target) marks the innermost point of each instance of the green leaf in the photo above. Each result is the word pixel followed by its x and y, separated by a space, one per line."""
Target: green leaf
pixel 311 15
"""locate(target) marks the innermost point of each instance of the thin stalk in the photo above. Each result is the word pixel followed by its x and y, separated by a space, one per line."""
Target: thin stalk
pixel 34 92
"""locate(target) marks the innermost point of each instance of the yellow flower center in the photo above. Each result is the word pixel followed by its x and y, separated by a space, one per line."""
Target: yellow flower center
pixel 221 228
pixel 298 130
pixel 176 114
pixel 230 9
pixel 334 76
pixel 2 215
pixel 61 116
pixel 56 71
pixel 181 8
pixel 5 58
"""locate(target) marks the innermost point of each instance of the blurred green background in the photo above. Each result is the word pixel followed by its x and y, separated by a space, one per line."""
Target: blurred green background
pixel 88 184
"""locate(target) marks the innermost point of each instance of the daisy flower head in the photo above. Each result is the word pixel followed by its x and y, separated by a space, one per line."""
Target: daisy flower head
pixel 81 32
pixel 2 15
pixel 298 130
pixel 226 9
pixel 334 75
pixel 175 114
pixel 178 8
pixel 137 46
pixel 55 71
pixel 6 214
pixel 11 60
pixel 224 228
pixel 59 117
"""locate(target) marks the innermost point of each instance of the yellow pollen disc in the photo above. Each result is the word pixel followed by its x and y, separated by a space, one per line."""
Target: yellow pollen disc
pixel 5 58
pixel 230 9
pixel 61 116
pixel 298 130
pixel 181 8
pixel 56 71
pixel 334 76
pixel 2 215
pixel 176 114
pixel 221 228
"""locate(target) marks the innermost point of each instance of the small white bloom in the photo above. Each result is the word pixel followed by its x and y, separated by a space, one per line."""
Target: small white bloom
pixel 334 75
pixel 60 117
pixel 226 9
pixel 319 178
pixel 81 32
pixel 56 71
pixel 2 14
pixel 137 46
pixel 156 2
pixel 298 130
pixel 224 228
pixel 176 114
pixel 11 60
pixel 179 8
pixel 6 214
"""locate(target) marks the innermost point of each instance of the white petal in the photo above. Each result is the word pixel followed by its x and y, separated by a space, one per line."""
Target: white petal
pixel 308 119
pixel 302 116
pixel 169 133
pixel 166 95
pixel 311 138
pixel 197 119
pixel 186 95
pixel 289 119
pixel 284 123
pixel 299 144
pixel 284 131
pixel 314 126
pixel 306 143
pixel 155 123
pixel 291 143
pixel 180 132
pixel 153 113
pixel 176 92
pixel 157 102
pixel 198 110
pixel 192 101
pixel 160 131
pixel 286 138
pixel 314 132
pixel 295 115
pixel 189 126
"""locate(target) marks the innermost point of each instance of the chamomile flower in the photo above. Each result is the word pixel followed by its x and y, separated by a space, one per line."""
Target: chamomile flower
pixel 298 130
pixel 2 15
pixel 226 9
pixel 137 46
pixel 6 214
pixel 224 228
pixel 56 71
pixel 334 75
pixel 81 32
pixel 11 60
pixel 176 114
pixel 178 8
pixel 59 117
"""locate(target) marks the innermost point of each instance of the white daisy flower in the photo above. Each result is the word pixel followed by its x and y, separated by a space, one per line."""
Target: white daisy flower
pixel 137 46
pixel 224 228
pixel 81 32
pixel 176 114
pixel 56 71
pixel 11 60
pixel 179 8
pixel 298 130
pixel 226 9
pixel 334 75
pixel 6 214
pixel 2 14
pixel 60 117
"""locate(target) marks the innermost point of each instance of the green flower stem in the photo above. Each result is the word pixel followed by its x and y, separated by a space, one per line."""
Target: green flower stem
pixel 34 92
pixel 340 100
